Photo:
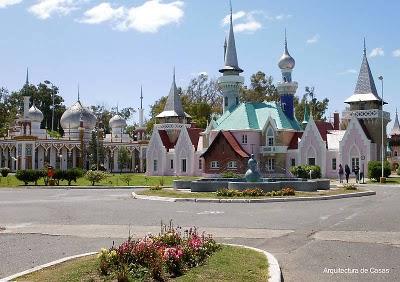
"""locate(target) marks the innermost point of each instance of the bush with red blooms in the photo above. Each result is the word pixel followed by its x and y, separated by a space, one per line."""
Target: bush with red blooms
pixel 160 257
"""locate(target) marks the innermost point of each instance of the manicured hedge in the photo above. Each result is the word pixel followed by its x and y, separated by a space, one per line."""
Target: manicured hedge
pixel 375 170
pixel 303 171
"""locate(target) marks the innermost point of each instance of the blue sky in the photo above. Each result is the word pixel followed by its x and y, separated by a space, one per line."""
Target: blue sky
pixel 111 48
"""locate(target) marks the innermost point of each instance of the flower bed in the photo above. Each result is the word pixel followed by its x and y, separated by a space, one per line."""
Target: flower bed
pixel 256 192
pixel 161 257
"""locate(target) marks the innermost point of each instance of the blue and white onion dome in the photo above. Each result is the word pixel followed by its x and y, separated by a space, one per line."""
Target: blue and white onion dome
pixel 72 116
pixel 117 122
pixel 35 114
pixel 286 62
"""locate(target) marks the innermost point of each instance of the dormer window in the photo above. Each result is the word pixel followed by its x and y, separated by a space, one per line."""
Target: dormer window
pixel 270 137
pixel 244 139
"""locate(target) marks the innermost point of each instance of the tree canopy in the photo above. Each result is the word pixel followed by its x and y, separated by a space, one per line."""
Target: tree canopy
pixel 261 89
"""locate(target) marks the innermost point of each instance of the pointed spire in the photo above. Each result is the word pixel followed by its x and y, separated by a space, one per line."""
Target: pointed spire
pixel 286 50
pixel 79 95
pixel 141 97
pixel 306 116
pixel 365 48
pixel 173 105
pixel 225 46
pixel 231 61
pixel 286 62
pixel 396 126
pixel 27 77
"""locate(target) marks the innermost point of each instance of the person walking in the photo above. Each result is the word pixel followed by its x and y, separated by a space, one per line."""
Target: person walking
pixel 357 173
pixel 347 172
pixel 341 172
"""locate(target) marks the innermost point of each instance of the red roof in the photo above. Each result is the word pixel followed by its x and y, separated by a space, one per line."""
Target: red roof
pixel 231 141
pixel 323 127
pixel 294 143
pixel 194 134
pixel 165 140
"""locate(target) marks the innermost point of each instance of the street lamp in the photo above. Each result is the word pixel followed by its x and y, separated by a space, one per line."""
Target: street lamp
pixel 382 145
pixel 60 161
pixel 52 111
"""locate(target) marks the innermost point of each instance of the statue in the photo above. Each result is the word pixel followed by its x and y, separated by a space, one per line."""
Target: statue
pixel 252 175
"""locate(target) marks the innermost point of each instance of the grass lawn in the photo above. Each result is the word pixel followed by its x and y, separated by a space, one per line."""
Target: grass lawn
pixel 177 194
pixel 389 180
pixel 115 179
pixel 228 264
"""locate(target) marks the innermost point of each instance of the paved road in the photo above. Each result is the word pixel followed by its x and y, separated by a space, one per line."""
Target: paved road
pixel 310 239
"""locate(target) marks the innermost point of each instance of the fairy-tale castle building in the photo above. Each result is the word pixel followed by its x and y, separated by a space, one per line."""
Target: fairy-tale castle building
pixel 28 146
pixel 394 144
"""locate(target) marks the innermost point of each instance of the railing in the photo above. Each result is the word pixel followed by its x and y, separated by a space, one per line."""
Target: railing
pixel 273 149
pixel 365 114
pixel 162 126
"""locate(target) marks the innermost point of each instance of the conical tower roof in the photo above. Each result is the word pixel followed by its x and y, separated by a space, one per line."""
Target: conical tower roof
pixel 231 60
pixel 365 87
pixel 173 106
pixel 396 126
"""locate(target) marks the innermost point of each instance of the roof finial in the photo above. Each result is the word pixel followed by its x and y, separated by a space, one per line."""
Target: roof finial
pixel 141 97
pixel 230 5
pixel 365 48
pixel 173 78
pixel 79 95
pixel 225 46
pixel 117 109
pixel 286 50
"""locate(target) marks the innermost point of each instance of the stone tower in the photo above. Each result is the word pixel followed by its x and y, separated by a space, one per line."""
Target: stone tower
pixel 287 88
pixel 366 105
pixel 230 82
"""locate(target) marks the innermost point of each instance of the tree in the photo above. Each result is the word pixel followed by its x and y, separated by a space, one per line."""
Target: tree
pixel 123 158
pixel 104 114
pixel 316 107
pixel 261 89
pixel 8 111
pixel 96 150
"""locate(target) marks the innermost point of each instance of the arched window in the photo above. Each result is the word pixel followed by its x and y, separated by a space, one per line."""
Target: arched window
pixel 270 137
pixel 354 157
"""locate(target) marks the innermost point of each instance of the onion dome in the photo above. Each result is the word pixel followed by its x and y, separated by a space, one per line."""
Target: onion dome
pixel 117 122
pixel 72 116
pixel 35 114
pixel 286 62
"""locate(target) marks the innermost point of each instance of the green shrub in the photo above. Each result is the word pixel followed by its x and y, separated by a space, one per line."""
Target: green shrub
pixel 4 171
pixel 398 171
pixel 348 186
pixel 29 175
pixel 72 174
pixel 161 181
pixel 229 174
pixel 224 192
pixel 95 176
pixel 256 192
pixel 375 170
pixel 303 171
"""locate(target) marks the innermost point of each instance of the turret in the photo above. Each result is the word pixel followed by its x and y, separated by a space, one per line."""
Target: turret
pixel 287 88
pixel 230 82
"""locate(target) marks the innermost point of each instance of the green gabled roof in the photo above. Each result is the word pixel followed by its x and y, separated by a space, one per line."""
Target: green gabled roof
pixel 254 116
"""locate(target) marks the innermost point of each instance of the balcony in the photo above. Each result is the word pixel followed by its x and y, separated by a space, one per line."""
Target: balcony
pixel 270 150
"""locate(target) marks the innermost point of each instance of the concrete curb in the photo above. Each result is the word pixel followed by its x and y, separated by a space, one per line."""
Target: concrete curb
pixel 40 267
pixel 274 269
pixel 263 200
pixel 81 187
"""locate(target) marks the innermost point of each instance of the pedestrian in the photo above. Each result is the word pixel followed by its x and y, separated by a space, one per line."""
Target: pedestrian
pixel 347 172
pixel 356 172
pixel 341 172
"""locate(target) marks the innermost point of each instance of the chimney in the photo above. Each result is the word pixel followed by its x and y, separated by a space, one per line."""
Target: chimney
pixel 336 121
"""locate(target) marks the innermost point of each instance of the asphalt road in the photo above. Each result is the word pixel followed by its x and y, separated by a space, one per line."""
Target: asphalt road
pixel 311 240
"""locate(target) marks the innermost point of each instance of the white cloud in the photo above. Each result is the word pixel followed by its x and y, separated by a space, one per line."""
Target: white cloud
pixel 203 73
pixel 313 39
pixel 396 53
pixel 279 17
pixel 235 16
pixel 377 52
pixel 6 3
pixel 243 21
pixel 152 15
pixel 44 9
pixel 102 13
pixel 348 71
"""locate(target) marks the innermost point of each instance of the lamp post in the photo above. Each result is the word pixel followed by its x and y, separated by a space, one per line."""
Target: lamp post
pixel 382 145
pixel 61 156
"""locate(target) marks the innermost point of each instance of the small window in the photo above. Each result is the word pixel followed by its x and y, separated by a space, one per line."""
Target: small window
pixel 270 165
pixel 244 139
pixel 232 164
pixel 226 101
pixel 172 164
pixel 155 165
pixel 283 105
pixel 270 141
pixel 311 161
pixel 200 164
pixel 214 164
pixel 334 164
pixel 183 169
pixel 395 153
pixel 237 100
pixel 293 162
pixel 355 162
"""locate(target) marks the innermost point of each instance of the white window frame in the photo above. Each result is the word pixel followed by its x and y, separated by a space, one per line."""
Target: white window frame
pixel 271 164
pixel 270 136
pixel 334 164
pixel 232 164
pixel 355 161
pixel 214 165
